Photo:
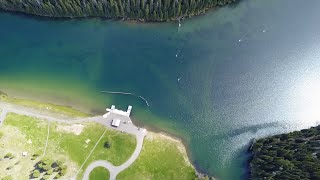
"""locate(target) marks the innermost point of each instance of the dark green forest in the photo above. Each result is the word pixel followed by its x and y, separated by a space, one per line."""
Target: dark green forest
pixel 287 156
pixel 143 10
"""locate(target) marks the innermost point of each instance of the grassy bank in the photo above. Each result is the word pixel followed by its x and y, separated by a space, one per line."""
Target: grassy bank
pixel 66 143
pixel 42 106
pixel 161 158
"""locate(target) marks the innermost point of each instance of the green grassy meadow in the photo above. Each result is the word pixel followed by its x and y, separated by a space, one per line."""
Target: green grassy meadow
pixel 161 158
pixel 64 144
pixel 99 173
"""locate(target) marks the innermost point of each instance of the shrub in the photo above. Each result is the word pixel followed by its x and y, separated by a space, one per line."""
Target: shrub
pixel 57 165
pixel 35 155
pixel 49 172
pixel 9 155
pixel 63 170
pixel 107 145
pixel 45 164
pixel 36 173
pixel 57 176
pixel 10 167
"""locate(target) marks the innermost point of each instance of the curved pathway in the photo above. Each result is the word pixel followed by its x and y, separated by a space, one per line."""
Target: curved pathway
pixel 115 170
pixel 126 126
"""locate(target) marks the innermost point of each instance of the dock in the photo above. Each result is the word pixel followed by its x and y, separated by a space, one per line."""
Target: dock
pixel 117 111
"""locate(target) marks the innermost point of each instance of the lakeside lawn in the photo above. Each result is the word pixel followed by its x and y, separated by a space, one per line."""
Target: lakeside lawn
pixel 99 173
pixel 42 106
pixel 66 143
pixel 161 158
pixel 65 110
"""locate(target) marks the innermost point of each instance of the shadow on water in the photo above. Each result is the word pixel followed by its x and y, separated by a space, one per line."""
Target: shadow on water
pixel 247 129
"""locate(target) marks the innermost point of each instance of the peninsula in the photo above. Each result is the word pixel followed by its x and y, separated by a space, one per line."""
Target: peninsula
pixel 45 141
pixel 287 156
pixel 142 10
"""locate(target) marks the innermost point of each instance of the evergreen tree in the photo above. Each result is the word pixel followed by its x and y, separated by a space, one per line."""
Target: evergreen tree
pixel 156 10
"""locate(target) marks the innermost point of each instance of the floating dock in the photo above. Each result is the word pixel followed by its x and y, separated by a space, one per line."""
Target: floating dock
pixel 117 111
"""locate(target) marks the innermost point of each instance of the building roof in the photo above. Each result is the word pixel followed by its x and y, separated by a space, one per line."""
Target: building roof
pixel 115 122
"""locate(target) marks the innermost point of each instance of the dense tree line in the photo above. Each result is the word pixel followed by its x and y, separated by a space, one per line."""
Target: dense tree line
pixel 287 156
pixel 149 10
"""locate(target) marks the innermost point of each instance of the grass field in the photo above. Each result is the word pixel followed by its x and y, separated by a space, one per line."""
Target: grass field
pixel 65 143
pixel 161 158
pixel 99 173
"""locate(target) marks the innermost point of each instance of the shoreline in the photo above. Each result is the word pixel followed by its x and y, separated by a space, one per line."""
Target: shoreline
pixel 184 151
pixel 177 138
pixel 180 143
pixel 121 19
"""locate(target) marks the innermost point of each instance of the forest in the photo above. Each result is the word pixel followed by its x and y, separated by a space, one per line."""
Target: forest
pixel 141 10
pixel 295 155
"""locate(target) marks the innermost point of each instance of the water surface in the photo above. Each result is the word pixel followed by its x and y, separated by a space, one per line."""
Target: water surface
pixel 237 73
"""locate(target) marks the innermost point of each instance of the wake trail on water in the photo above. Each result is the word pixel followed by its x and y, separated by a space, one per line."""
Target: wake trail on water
pixel 127 93
pixel 246 35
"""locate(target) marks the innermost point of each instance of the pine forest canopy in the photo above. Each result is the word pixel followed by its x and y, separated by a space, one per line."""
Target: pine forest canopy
pixel 148 10
pixel 295 155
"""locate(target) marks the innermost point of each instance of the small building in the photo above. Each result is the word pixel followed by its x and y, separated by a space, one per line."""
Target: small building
pixel 115 122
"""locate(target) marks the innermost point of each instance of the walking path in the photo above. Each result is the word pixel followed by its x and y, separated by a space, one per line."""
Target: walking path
pixel 115 170
pixel 3 115
pixel 126 126
pixel 91 151
pixel 45 147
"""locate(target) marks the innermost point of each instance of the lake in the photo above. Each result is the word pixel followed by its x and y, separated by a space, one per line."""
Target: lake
pixel 241 72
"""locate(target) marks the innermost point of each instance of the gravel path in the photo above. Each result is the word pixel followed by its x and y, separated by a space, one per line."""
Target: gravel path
pixel 115 170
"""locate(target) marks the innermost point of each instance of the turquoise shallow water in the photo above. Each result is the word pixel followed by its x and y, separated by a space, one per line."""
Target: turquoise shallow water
pixel 240 72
